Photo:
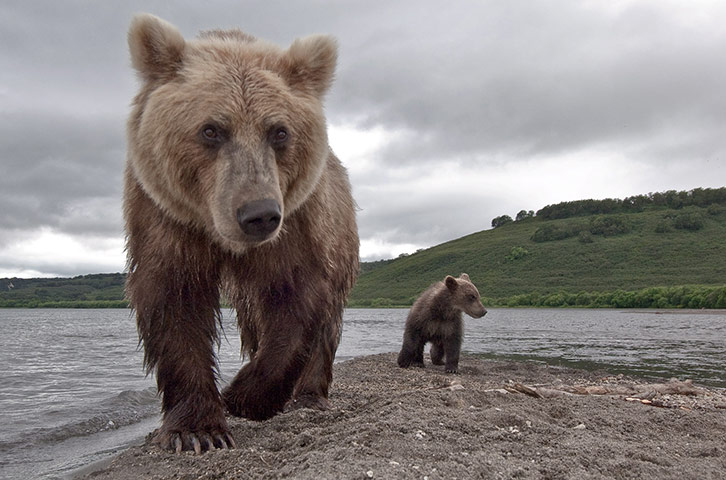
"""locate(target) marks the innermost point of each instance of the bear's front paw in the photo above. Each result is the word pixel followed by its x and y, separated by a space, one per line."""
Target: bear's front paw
pixel 452 370
pixel 253 403
pixel 196 423
pixel 316 402
pixel 200 441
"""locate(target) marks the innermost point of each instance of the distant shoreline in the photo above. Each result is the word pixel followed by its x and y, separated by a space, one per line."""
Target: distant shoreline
pixel 652 311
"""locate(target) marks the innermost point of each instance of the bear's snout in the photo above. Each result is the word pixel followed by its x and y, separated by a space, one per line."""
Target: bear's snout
pixel 477 312
pixel 259 219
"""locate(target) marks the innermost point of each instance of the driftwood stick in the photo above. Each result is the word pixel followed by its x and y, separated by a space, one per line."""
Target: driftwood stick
pixel 644 392
pixel 526 390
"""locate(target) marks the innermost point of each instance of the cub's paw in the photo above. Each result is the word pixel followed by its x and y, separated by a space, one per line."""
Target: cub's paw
pixel 199 441
pixel 407 362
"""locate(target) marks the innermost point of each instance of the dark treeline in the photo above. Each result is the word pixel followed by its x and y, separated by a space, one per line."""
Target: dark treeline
pixel 700 197
pixel 64 304
pixel 692 297
pixel 695 297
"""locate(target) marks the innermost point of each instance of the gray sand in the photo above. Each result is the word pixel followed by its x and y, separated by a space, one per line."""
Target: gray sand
pixel 387 422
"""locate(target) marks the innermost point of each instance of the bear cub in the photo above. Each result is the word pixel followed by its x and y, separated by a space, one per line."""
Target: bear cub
pixel 436 317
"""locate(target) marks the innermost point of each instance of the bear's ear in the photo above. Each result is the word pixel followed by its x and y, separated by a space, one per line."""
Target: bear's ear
pixel 309 64
pixel 464 276
pixel 451 283
pixel 156 47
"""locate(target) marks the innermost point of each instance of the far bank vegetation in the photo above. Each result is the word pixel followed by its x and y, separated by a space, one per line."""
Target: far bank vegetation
pixel 659 250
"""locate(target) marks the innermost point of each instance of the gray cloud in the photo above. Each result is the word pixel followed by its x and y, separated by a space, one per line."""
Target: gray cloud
pixel 52 164
pixel 526 81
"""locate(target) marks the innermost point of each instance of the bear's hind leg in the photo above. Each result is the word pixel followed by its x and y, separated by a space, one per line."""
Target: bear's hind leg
pixel 411 353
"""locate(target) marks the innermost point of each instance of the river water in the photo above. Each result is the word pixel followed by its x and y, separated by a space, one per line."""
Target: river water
pixel 73 392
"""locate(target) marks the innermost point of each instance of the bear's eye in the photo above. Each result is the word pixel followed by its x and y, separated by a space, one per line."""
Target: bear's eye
pixel 211 134
pixel 472 298
pixel 279 137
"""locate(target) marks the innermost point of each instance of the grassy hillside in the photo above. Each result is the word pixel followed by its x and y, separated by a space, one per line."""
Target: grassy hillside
pixel 656 247
pixel 657 250
pixel 90 291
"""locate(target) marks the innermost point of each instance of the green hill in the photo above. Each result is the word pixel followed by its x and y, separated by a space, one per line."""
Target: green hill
pixel 597 259
pixel 658 250
pixel 86 291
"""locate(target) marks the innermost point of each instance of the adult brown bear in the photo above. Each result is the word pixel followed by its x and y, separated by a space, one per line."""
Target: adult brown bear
pixel 231 187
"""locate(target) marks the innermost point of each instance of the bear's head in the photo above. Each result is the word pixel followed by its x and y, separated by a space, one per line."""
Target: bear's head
pixel 465 296
pixel 227 132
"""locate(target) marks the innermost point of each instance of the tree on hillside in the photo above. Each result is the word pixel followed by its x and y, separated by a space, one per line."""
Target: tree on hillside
pixel 501 220
pixel 524 214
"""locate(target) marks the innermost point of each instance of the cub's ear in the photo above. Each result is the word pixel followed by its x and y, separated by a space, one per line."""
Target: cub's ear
pixel 451 283
pixel 156 47
pixel 464 276
pixel 309 64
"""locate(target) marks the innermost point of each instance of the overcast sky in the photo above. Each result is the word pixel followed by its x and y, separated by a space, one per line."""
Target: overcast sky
pixel 446 114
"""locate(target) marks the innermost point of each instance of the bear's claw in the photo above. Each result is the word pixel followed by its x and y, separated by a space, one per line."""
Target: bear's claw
pixel 179 442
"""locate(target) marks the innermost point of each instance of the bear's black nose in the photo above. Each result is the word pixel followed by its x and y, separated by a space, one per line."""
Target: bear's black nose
pixel 260 218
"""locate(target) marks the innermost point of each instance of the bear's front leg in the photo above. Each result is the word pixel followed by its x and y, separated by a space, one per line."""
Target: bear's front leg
pixel 452 349
pixel 437 352
pixel 177 319
pixel 263 386
pixel 311 390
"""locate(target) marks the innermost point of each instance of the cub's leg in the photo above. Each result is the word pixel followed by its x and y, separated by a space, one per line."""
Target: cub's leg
pixel 437 352
pixel 452 349
pixel 412 350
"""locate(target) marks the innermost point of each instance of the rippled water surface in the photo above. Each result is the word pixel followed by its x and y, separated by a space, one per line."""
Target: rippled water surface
pixel 73 391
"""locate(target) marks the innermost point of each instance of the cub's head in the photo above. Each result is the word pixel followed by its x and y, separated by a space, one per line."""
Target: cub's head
pixel 227 132
pixel 465 296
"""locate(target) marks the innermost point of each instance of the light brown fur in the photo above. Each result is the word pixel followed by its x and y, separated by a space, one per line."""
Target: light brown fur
pixel 204 143
pixel 436 317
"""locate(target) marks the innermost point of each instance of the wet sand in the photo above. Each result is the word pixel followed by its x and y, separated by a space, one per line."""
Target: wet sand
pixel 494 419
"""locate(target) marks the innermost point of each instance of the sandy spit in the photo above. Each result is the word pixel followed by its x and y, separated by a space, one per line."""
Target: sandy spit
pixel 488 421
